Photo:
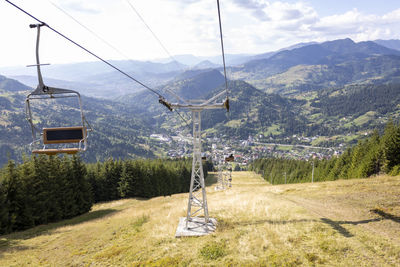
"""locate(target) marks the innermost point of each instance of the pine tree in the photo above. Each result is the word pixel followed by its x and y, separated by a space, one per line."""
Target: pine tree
pixel 3 210
pixel 97 182
pixel 391 146
pixel 128 183
pixel 68 186
pixel 14 198
pixel 371 163
pixel 53 189
pixel 25 174
pixel 83 195
pixel 39 187
pixel 111 172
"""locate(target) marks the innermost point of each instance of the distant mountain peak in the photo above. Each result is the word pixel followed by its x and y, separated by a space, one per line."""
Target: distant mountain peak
pixel 339 45
pixel 205 64
pixel 196 84
pixel 12 85
pixel 392 43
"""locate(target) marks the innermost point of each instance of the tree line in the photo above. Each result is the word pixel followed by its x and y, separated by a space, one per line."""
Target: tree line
pixel 377 154
pixel 45 189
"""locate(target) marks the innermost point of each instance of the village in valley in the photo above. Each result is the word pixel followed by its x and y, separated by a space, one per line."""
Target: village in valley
pixel 247 150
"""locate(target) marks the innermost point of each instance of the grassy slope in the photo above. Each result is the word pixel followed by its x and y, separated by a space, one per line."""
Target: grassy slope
pixel 342 223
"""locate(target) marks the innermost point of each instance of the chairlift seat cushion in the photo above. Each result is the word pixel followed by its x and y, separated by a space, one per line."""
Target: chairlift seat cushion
pixel 63 135
pixel 54 151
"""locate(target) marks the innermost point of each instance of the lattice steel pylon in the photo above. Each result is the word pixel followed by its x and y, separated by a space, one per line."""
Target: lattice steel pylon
pixel 228 177
pixel 197 203
pixel 197 220
pixel 220 185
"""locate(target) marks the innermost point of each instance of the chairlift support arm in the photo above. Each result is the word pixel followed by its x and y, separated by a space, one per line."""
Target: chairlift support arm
pixel 41 84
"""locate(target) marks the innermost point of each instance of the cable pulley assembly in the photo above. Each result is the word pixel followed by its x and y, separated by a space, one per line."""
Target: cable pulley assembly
pixel 162 101
pixel 226 104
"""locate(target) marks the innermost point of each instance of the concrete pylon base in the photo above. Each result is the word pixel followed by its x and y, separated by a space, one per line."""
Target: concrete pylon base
pixel 196 227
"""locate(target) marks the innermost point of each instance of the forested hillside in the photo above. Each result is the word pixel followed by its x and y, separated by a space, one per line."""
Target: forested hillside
pixel 356 100
pixel 122 128
pixel 338 90
pixel 48 188
pixel 255 112
pixel 374 155
pixel 42 190
pixel 317 66
pixel 118 132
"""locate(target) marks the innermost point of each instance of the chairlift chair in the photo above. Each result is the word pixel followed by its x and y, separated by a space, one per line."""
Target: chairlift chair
pixel 63 136
pixel 230 158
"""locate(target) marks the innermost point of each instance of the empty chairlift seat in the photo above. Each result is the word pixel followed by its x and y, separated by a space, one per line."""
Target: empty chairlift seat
pixel 60 139
pixel 231 158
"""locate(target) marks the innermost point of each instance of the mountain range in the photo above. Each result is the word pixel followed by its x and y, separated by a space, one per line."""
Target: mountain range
pixel 316 66
pixel 296 68
pixel 338 89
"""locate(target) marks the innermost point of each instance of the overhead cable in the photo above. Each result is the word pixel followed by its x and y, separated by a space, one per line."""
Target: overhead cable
pixel 159 42
pixel 89 30
pixel 161 100
pixel 148 27
pixel 222 47
pixel 88 51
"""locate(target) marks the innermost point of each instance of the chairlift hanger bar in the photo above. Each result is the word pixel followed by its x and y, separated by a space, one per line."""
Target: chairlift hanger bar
pixel 223 54
pixel 85 49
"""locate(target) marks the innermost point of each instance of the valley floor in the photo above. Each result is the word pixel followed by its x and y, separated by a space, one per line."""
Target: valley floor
pixel 340 223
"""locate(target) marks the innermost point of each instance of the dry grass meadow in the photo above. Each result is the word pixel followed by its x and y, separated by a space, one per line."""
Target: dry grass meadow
pixel 341 223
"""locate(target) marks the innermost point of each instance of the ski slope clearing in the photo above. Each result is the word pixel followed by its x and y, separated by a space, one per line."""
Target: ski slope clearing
pixel 340 223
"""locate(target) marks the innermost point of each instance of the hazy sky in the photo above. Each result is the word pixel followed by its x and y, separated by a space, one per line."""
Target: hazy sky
pixel 186 27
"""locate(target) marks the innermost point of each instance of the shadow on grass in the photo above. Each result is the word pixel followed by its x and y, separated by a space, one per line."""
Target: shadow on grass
pixel 274 222
pixel 386 215
pixel 337 225
pixel 6 244
pixel 11 241
pixel 211 179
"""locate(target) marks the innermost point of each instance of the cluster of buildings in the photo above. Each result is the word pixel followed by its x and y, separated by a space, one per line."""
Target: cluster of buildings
pixel 246 151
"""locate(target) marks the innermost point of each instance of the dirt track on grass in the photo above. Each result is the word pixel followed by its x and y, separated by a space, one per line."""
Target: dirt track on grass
pixel 373 204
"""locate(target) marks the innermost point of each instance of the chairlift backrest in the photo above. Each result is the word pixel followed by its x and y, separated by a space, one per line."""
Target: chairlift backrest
pixel 63 135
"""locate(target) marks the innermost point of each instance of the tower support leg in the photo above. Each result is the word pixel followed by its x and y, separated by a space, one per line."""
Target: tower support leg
pixel 197 203
pixel 197 221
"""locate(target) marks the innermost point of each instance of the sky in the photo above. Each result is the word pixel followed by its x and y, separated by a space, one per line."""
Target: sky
pixel 113 30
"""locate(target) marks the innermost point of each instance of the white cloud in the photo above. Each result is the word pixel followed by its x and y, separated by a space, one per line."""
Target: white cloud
pixel 299 22
pixel 392 17
pixel 83 7
pixel 358 26
pixel 183 26
pixel 257 8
